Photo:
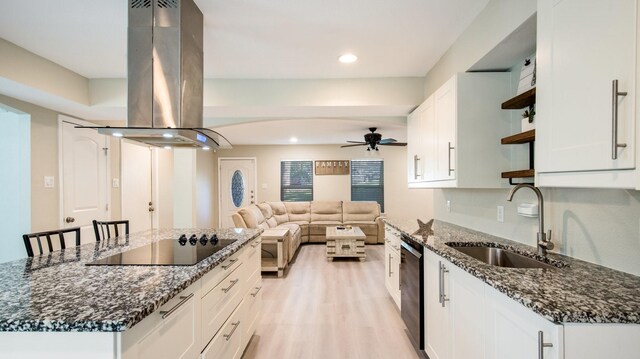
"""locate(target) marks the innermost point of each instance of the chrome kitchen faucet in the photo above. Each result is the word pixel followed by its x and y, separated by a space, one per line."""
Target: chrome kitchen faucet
pixel 544 239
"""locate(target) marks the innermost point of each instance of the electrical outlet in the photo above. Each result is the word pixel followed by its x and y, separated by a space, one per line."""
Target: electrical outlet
pixel 500 216
pixel 49 182
pixel 448 206
pixel 115 183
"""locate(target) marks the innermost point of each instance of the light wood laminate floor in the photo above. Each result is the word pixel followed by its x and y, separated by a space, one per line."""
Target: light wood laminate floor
pixel 329 310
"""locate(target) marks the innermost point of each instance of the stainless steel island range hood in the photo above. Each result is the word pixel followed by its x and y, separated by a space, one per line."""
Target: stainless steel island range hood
pixel 165 77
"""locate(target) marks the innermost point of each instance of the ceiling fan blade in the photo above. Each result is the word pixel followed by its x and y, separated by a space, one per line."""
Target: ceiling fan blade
pixel 387 141
pixel 359 144
pixel 394 144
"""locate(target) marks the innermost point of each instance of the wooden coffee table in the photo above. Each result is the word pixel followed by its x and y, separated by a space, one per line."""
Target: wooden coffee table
pixel 347 242
pixel 275 236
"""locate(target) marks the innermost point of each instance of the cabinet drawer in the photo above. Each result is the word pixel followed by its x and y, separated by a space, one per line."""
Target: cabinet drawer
pixel 252 260
pixel 392 237
pixel 251 306
pixel 220 302
pixel 227 344
pixel 177 321
pixel 219 273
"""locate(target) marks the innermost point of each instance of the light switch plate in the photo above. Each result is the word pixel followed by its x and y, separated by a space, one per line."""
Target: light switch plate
pixel 115 183
pixel 448 206
pixel 49 182
pixel 264 186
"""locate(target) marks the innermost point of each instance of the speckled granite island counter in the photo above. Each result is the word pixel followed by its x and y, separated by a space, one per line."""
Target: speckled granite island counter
pixel 60 293
pixel 579 292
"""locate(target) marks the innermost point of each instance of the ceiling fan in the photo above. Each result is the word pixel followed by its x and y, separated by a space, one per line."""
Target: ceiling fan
pixel 373 139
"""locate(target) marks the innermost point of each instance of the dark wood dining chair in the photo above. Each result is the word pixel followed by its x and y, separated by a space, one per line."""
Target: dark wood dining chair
pixel 50 236
pixel 104 229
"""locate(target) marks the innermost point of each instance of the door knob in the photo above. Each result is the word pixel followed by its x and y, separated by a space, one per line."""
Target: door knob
pixel 69 219
pixel 151 209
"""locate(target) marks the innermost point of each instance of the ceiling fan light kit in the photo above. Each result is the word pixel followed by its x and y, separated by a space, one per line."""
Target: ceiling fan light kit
pixel 373 139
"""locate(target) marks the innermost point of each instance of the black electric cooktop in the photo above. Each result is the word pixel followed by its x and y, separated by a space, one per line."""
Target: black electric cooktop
pixel 168 252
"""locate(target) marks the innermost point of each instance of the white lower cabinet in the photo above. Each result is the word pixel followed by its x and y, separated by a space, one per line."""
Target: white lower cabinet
pixel 172 331
pixel 392 263
pixel 454 324
pixel 215 317
pixel 466 318
pixel 514 331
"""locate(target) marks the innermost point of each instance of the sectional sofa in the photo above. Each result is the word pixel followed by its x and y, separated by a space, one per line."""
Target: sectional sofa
pixel 307 221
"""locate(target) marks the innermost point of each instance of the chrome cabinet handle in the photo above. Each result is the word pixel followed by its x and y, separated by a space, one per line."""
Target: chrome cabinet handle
pixel 230 264
pixel 449 154
pixel 439 282
pixel 166 313
pixel 614 120
pixel 257 291
pixel 443 296
pixel 235 326
pixel 256 244
pixel 233 282
pixel 390 272
pixel 415 167
pixel 542 345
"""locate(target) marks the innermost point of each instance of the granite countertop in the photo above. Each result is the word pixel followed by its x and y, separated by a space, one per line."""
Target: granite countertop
pixel 59 293
pixel 575 292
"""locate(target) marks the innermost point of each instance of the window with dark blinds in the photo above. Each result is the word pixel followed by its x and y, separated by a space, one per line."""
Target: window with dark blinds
pixel 367 181
pixel 296 181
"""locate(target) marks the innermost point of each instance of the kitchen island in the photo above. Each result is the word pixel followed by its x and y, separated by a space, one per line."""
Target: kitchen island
pixel 74 310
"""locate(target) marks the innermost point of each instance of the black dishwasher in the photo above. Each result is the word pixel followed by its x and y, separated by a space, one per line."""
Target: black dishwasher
pixel 412 289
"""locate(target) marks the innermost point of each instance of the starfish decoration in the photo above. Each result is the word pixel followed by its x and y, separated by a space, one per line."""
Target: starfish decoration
pixel 425 228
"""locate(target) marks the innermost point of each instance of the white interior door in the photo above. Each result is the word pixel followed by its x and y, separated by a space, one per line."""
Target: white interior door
pixel 138 204
pixel 84 162
pixel 237 179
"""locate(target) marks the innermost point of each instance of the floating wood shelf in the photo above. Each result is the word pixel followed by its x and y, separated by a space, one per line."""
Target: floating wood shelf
pixel 519 174
pixel 523 100
pixel 518 138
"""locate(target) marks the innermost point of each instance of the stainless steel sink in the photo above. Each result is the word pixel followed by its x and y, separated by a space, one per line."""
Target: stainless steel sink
pixel 501 257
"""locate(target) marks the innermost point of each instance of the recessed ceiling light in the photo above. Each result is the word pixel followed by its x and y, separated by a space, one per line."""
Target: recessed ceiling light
pixel 293 140
pixel 167 147
pixel 206 148
pixel 167 135
pixel 348 58
pixel 117 134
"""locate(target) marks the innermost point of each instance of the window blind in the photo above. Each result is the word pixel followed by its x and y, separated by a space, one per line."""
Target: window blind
pixel 296 181
pixel 367 181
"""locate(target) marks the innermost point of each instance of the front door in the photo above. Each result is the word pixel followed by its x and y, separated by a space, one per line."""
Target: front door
pixel 237 178
pixel 85 155
pixel 137 188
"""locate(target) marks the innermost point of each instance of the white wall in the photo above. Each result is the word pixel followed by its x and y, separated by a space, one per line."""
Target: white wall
pixel 15 184
pixel 599 226
pixel 400 201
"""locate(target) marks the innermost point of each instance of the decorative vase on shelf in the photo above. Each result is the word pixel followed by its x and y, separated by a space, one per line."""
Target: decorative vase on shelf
pixel 526 125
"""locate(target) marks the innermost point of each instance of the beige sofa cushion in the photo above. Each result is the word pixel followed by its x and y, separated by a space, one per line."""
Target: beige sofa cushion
pixel 320 227
pixel 298 211
pixel 238 221
pixel 326 211
pixel 279 212
pixel 368 228
pixel 253 217
pixel 360 211
pixel 268 214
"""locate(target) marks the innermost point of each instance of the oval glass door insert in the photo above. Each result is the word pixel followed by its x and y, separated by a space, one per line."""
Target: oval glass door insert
pixel 237 188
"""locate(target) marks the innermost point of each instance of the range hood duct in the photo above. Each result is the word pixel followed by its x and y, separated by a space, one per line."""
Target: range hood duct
pixel 165 76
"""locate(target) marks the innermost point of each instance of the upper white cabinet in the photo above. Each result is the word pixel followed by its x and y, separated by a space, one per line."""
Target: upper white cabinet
pixel 586 132
pixel 454 136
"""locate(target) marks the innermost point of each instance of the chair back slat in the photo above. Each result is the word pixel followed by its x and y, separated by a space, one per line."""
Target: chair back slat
pixel 41 236
pixel 99 228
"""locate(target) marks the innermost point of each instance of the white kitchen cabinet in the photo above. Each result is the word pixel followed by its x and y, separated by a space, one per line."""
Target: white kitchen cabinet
pixel 513 331
pixel 584 46
pixel 455 324
pixel 456 134
pixel 176 322
pixel 227 343
pixel 392 263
